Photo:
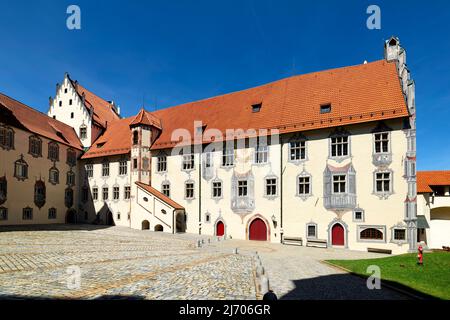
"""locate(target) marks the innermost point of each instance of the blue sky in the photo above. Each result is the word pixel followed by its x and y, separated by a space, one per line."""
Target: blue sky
pixel 169 52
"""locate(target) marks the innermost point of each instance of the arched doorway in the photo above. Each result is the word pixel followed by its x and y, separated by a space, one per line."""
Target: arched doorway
pixel 159 228
pixel 71 216
pixel 337 235
pixel 145 225
pixel 257 230
pixel 220 229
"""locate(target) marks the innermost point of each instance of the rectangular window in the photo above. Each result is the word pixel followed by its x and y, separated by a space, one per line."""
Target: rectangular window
pixel 21 170
pixel 312 231
pixel 162 164
pixel 227 157
pixel 123 168
pixel 3 214
pixel 27 214
pixel 383 182
pixel 105 169
pixel 208 160
pixel 116 193
pixel 51 213
pixel 358 216
pixel 83 133
pixel 242 188
pixel 399 234
pixel 70 178
pixel 297 150
pixel 95 193
pixel 325 108
pixel 217 189
pixel 382 142
pixel 135 164
pixel 271 187
pixel 53 151
pixel 304 185
pixel 339 146
pixel 105 193
pixel 339 182
pixel 89 170
pixel 261 154
pixel 188 161
pixel 189 192
pixel 166 189
pixel 127 192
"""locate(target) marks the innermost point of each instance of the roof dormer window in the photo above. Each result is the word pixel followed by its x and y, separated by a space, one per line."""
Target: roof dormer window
pixel 256 107
pixel 325 108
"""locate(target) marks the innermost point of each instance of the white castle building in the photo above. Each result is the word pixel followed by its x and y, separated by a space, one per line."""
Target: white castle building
pixel 328 157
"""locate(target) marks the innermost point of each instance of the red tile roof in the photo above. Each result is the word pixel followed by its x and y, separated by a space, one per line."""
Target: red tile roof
pixel 357 94
pixel 145 117
pixel 40 123
pixel 425 179
pixel 160 196
pixel 103 111
pixel 115 140
pixel 361 93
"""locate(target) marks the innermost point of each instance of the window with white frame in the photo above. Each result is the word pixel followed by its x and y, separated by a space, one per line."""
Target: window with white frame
pixel 271 187
pixel 339 146
pixel 95 193
pixel 358 215
pixel 304 185
pixel 381 141
pixel 242 188
pixel 370 233
pixel 399 234
pixel 166 189
pixel 83 132
pixel 311 230
pixel 261 154
pixel 161 164
pixel 21 169
pixel 188 161
pixel 383 182
pixel 227 157
pixel 116 193
pixel 105 169
pixel 127 192
pixel 89 170
pixel 53 151
pixel 339 183
pixel 189 190
pixel 297 150
pixel 105 193
pixel 53 175
pixel 123 167
pixel 217 189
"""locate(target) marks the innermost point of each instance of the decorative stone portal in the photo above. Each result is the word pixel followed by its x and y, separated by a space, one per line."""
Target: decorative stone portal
pixel 220 229
pixel 337 235
pixel 145 225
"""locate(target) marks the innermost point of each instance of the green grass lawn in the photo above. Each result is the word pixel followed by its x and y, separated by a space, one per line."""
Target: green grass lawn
pixel 433 278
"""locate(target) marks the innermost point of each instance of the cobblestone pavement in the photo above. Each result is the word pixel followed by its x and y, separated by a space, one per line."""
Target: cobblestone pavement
pixel 122 263
pixel 118 263
pixel 298 273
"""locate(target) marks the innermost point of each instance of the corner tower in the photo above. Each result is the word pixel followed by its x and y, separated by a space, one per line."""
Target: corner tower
pixel 145 129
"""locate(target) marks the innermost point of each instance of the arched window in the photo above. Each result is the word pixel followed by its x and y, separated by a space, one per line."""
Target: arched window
pixel 6 138
pixel 135 137
pixel 35 146
pixel 71 157
pixel 39 194
pixel 371 234
pixel 68 198
pixel 21 169
pixel 70 178
pixel 53 175
pixel 83 132
pixel 53 151
pixel 3 189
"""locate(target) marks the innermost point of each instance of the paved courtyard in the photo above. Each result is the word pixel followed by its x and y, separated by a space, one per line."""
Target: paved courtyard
pixel 118 263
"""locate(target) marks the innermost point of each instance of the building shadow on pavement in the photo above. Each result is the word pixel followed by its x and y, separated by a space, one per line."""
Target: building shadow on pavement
pixel 54 227
pixel 348 287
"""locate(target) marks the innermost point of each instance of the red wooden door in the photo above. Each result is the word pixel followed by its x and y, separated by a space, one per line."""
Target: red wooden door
pixel 220 229
pixel 258 230
pixel 337 235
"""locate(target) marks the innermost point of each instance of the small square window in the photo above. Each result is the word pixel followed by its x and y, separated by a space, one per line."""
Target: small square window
pixel 358 215
pixel 325 108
